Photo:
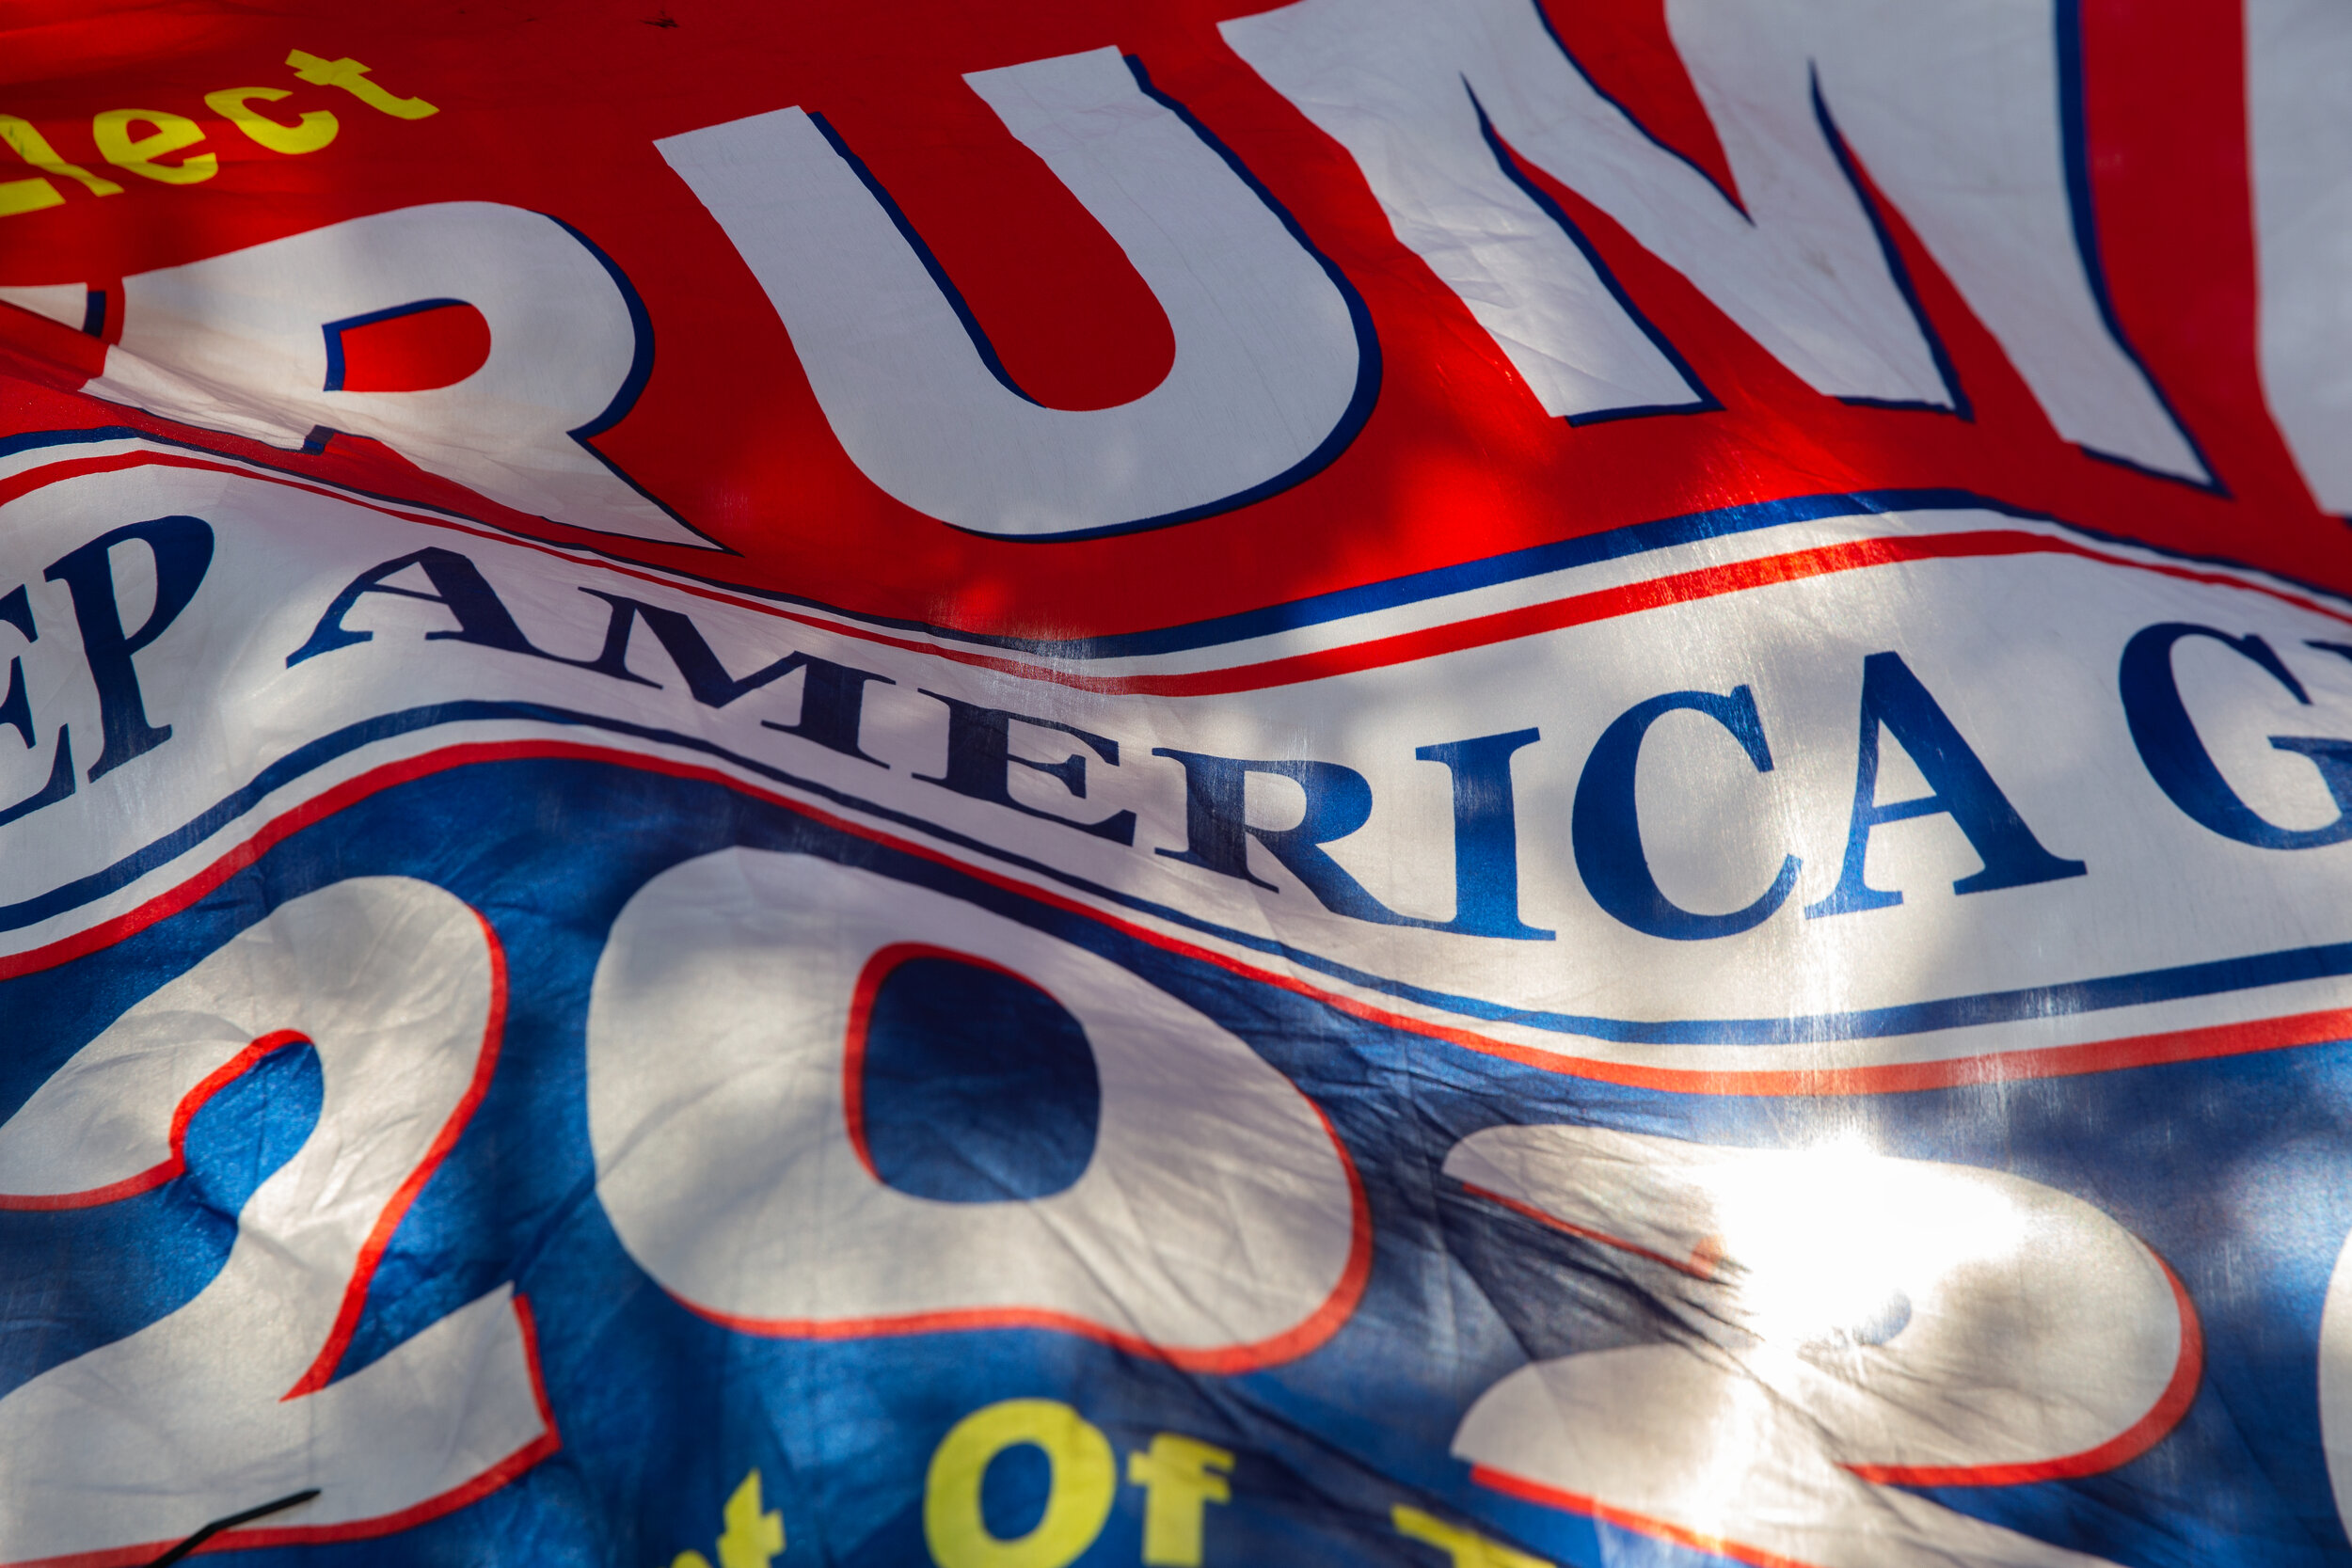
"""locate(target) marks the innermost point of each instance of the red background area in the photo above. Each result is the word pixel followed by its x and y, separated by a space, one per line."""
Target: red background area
pixel 425 349
pixel 556 108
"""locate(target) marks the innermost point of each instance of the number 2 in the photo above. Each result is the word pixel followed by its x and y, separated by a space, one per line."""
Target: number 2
pixel 233 1399
pixel 1855 1324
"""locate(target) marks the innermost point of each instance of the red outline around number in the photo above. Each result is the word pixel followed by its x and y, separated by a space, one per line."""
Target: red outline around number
pixel 1301 1337
pixel 1291 1343
pixel 2188 1371
pixel 2143 1435
pixel 2180 1393
pixel 172 1166
pixel 869 980
pixel 322 1369
pixel 458 1496
pixel 480 1486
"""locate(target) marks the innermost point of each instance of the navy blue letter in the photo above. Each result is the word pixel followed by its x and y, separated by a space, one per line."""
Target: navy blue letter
pixel 1217 832
pixel 1486 835
pixel 1604 825
pixel 832 696
pixel 2176 758
pixel 16 711
pixel 458 586
pixel 981 764
pixel 1893 699
pixel 183 548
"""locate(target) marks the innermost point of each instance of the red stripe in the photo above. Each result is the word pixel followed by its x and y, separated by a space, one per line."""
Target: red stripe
pixel 2057 1061
pixel 1604 604
pixel 2060 1061
pixel 2180 1391
pixel 1406 647
pixel 1632 598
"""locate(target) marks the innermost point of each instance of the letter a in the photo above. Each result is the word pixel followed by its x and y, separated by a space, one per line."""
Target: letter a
pixel 1893 698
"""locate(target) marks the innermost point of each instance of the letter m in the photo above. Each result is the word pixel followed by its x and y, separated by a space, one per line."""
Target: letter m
pixel 1964 114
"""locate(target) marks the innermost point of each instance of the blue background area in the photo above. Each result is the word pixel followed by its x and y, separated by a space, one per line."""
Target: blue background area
pixel 978 1087
pixel 2237 1171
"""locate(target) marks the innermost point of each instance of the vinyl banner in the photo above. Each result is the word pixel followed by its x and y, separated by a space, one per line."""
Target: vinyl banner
pixel 1458 783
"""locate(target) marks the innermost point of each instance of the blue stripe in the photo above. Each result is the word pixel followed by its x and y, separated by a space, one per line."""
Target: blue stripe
pixel 1321 609
pixel 2135 988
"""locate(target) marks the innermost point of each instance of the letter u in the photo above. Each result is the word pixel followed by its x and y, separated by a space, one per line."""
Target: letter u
pixel 1275 368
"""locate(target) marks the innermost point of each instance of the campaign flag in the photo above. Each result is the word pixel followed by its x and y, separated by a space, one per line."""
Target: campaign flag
pixel 1455 784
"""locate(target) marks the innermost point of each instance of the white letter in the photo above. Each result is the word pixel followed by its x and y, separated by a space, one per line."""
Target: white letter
pixel 1953 109
pixel 2297 56
pixel 1269 380
pixel 242 343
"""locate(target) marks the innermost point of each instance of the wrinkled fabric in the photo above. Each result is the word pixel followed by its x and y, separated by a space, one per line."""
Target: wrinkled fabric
pixel 1483 783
